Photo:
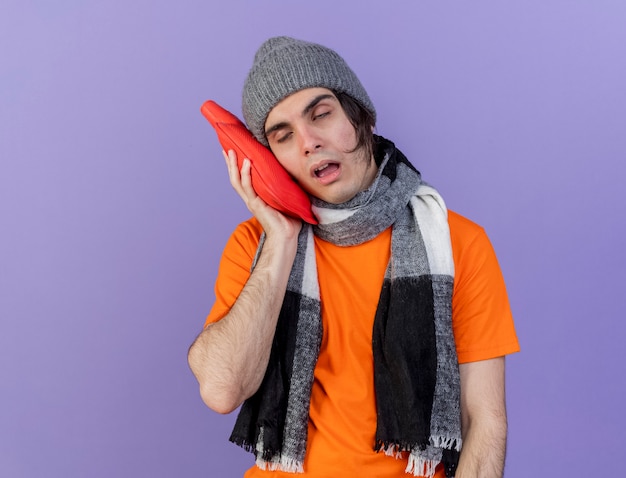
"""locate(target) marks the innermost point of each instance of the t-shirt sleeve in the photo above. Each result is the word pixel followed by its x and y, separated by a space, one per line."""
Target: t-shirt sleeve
pixel 234 268
pixel 481 314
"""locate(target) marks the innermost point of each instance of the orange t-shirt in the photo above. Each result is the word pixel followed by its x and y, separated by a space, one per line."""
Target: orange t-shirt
pixel 342 416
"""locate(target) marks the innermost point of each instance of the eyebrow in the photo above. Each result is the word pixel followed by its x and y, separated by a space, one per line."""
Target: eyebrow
pixel 312 104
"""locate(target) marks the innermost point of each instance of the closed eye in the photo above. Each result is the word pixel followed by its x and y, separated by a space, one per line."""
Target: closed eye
pixel 284 137
pixel 321 115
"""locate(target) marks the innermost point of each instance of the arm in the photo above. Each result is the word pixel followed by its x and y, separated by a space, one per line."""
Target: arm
pixel 229 357
pixel 483 415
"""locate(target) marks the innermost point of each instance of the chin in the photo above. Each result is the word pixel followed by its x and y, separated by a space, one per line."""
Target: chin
pixel 334 199
pixel 334 194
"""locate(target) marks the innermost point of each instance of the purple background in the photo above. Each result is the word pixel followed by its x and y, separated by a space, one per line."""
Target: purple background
pixel 115 205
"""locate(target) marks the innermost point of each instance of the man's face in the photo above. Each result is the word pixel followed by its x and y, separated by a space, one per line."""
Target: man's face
pixel 312 137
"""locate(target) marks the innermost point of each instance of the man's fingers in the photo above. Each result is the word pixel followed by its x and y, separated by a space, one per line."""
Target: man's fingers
pixel 246 178
pixel 233 171
pixel 240 180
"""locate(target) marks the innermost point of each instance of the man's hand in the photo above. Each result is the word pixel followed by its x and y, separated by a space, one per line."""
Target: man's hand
pixel 272 221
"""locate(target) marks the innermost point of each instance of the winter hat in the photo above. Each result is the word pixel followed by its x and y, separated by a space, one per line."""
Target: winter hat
pixel 284 65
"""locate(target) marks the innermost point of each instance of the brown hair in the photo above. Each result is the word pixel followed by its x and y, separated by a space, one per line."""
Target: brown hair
pixel 362 120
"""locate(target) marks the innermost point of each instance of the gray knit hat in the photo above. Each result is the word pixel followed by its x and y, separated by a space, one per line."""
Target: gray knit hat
pixel 284 65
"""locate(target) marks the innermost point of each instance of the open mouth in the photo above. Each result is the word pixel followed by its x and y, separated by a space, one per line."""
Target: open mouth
pixel 326 169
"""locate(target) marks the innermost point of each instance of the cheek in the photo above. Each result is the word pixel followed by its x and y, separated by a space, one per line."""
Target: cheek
pixel 286 161
pixel 347 136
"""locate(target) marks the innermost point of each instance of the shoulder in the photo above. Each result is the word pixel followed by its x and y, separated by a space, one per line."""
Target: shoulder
pixel 469 240
pixel 471 248
pixel 244 238
pixel 463 229
pixel 250 229
pixel 240 248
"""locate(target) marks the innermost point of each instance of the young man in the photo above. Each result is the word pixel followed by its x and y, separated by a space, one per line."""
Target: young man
pixel 373 343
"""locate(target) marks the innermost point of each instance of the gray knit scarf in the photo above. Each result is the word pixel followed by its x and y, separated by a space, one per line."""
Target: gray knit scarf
pixel 416 374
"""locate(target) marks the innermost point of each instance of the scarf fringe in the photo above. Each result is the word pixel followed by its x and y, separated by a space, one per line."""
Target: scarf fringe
pixel 449 443
pixel 393 448
pixel 270 460
pixel 390 450
pixel 439 441
pixel 246 445
pixel 418 466
pixel 288 465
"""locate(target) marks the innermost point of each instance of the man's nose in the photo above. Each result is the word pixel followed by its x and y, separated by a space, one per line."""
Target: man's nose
pixel 309 140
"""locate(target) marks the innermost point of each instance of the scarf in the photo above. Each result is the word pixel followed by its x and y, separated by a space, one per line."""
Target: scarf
pixel 416 375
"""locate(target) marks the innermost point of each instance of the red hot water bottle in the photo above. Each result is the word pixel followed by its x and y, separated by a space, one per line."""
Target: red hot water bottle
pixel 269 179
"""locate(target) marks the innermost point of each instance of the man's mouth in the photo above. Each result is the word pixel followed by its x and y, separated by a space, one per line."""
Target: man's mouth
pixel 326 169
